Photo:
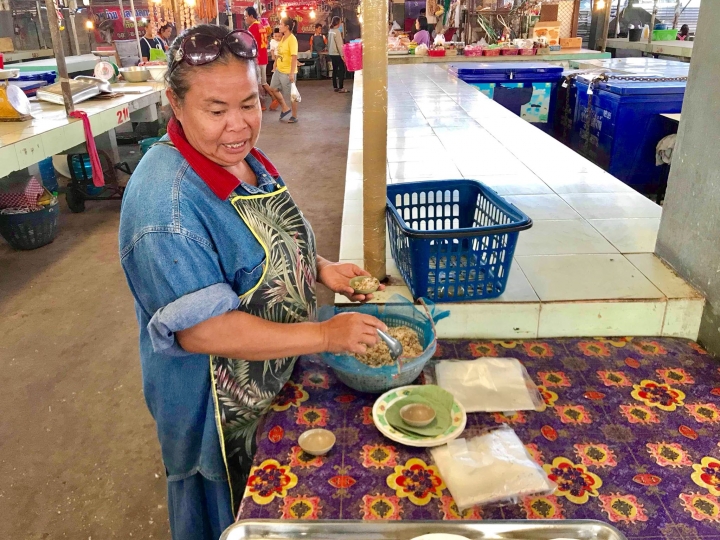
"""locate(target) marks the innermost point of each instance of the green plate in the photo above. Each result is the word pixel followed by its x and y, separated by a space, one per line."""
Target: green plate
pixel 383 403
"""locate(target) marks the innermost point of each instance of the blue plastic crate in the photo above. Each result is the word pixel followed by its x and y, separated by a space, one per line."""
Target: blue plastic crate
pixel 452 240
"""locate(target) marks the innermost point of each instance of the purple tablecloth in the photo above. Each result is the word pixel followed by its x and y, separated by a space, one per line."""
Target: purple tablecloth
pixel 630 433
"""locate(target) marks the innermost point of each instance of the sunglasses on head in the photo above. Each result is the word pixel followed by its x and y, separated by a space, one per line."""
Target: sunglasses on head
pixel 200 49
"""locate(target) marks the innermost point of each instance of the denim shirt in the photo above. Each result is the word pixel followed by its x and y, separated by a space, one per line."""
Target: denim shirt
pixel 187 256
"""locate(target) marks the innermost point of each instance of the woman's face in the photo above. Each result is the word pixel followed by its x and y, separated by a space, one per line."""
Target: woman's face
pixel 417 25
pixel 284 28
pixel 221 124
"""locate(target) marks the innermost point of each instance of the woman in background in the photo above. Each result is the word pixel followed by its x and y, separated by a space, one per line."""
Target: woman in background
pixel 337 56
pixel 422 36
pixel 149 41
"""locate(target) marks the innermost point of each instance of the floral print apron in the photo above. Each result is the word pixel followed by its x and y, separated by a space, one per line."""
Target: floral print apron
pixel 285 293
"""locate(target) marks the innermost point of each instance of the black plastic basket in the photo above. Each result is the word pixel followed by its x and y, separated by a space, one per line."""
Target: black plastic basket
pixel 31 230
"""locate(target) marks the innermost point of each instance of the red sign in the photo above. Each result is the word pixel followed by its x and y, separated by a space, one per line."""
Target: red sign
pixel 110 24
pixel 304 14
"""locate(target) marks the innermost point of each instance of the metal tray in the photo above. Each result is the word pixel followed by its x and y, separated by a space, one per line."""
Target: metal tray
pixel 407 530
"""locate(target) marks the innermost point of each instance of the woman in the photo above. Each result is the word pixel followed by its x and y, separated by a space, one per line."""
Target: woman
pixel 422 36
pixel 150 42
pixel 337 55
pixel 285 70
pixel 684 32
pixel 222 266
pixel 164 36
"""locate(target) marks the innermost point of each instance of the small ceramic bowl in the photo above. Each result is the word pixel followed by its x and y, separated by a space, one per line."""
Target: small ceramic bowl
pixel 417 414
pixel 355 284
pixel 317 442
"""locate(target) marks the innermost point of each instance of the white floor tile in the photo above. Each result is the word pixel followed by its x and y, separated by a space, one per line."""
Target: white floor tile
pixel 398 155
pixel 543 206
pixel 682 318
pixel 516 184
pixel 489 321
pixel 416 122
pixel 567 182
pixel 425 142
pixel 354 190
pixel 629 235
pixel 581 319
pixel 401 132
pixel 613 205
pixel 490 167
pixel 414 170
pixel 664 277
pixel 457 121
pixel 586 277
pixel 562 238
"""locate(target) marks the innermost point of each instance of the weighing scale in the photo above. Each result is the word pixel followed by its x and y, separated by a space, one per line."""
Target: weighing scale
pixel 14 104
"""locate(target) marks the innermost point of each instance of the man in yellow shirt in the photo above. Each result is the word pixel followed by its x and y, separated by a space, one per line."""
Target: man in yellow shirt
pixel 285 70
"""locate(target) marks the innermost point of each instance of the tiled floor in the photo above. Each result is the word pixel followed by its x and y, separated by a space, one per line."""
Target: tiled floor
pixel 585 268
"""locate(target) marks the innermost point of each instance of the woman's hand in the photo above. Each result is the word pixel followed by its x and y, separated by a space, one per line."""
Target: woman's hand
pixel 351 333
pixel 337 276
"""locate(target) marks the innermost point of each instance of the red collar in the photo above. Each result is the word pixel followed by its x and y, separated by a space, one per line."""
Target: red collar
pixel 221 182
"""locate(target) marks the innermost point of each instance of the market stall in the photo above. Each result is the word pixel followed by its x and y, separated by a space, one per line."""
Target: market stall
pixel 606 450
pixel 680 49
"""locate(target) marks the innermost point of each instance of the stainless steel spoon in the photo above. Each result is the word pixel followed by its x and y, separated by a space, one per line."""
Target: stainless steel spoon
pixel 396 348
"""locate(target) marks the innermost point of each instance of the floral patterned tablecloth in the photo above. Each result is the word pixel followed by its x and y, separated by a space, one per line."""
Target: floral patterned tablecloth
pixel 630 432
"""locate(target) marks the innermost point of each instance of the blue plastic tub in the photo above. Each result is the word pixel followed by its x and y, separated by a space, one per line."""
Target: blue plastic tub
pixel 626 128
pixel 528 89
pixel 47 76
pixel 452 240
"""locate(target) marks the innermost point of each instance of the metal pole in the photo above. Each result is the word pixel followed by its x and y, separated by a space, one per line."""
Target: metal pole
pixel 217 11
pixel 606 25
pixel 137 33
pixel 43 45
pixel 122 13
pixel 652 21
pixel 617 19
pixel 57 44
pixel 72 10
pixel 678 11
pixel 374 32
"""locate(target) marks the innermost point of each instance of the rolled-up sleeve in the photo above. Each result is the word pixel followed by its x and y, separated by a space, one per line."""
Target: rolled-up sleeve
pixel 178 282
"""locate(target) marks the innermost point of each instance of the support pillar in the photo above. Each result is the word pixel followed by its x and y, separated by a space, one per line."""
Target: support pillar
pixel 374 32
pixel 690 224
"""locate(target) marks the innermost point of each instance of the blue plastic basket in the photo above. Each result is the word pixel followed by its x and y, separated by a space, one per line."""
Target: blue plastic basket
pixel 453 240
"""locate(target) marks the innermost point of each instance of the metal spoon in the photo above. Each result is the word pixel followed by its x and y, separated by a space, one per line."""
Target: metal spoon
pixel 396 348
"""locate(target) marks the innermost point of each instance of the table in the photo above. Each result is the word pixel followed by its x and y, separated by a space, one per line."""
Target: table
pixel 679 48
pixel 50 132
pixel 75 64
pixel 19 56
pixel 552 56
pixel 628 427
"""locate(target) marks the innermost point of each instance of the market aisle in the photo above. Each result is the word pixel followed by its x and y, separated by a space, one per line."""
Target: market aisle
pixel 78 452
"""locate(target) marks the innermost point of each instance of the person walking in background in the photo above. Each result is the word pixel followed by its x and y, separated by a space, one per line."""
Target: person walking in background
pixel 274 42
pixel 258 32
pixel 285 70
pixel 422 36
pixel 337 56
